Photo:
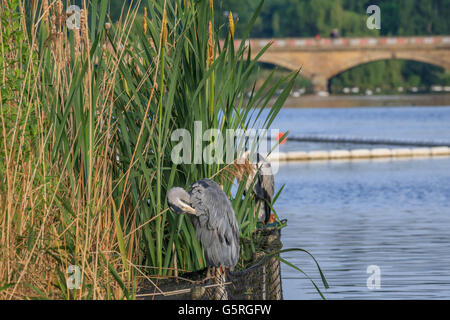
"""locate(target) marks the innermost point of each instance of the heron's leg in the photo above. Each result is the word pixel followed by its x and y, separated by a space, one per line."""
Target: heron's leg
pixel 209 274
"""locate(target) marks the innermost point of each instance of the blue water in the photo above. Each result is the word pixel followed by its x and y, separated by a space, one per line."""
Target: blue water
pixel 394 214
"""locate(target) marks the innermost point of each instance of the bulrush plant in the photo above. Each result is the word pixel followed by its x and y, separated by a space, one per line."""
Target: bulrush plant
pixel 60 234
pixel 86 119
pixel 191 78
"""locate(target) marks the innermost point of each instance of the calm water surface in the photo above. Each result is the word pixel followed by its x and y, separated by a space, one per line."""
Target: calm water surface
pixel 394 214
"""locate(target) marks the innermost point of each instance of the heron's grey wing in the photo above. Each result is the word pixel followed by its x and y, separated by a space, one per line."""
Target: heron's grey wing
pixel 266 177
pixel 267 183
pixel 258 190
pixel 268 186
pixel 216 225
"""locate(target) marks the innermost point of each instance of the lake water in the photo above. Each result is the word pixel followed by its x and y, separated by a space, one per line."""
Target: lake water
pixel 394 214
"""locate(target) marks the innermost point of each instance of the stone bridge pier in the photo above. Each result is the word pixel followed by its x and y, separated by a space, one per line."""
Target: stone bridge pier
pixel 319 82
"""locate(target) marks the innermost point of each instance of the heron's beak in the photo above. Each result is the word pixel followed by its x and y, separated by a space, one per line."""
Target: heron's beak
pixel 187 208
pixel 190 210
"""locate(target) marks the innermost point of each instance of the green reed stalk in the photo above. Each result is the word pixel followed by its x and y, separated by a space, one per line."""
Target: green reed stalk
pixel 160 136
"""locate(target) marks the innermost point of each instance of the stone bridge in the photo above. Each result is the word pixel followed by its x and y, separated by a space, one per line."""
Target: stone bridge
pixel 322 59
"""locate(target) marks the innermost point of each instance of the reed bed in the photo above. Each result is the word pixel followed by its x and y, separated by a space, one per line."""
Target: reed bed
pixel 86 119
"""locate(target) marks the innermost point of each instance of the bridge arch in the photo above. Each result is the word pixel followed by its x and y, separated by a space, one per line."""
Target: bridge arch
pixel 285 63
pixel 372 57
pixel 337 63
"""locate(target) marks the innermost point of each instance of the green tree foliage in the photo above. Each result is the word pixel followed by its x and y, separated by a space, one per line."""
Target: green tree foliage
pixel 308 18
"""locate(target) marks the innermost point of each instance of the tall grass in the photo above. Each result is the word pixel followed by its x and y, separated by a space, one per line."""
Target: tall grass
pixel 86 121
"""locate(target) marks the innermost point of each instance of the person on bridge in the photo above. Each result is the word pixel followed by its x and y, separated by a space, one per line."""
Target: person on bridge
pixel 334 33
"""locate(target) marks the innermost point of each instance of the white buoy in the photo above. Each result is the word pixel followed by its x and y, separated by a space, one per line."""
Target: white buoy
pixel 402 152
pixel 421 152
pixel 360 153
pixel 318 155
pixel 297 156
pixel 440 151
pixel 380 153
pixel 277 156
pixel 339 154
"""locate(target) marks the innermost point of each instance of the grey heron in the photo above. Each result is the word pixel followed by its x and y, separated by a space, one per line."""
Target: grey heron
pixel 264 186
pixel 215 225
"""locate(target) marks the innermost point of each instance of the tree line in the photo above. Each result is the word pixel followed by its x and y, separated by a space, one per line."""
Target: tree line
pixel 309 18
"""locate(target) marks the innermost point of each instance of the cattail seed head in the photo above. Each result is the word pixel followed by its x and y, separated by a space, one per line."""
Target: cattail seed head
pixel 145 20
pixel 164 27
pixel 45 11
pixel 231 23
pixel 210 53
pixel 53 23
pixel 83 24
pixel 59 8
pixel 59 16
pixel 77 42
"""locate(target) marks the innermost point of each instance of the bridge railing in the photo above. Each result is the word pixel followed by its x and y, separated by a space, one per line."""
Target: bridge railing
pixel 341 42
